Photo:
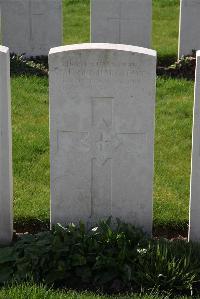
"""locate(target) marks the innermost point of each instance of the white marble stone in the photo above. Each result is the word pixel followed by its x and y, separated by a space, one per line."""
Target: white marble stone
pixel 189 33
pixel 32 27
pixel 194 225
pixel 121 22
pixel 102 99
pixel 6 218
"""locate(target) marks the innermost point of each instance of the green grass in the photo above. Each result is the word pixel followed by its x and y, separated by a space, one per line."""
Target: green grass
pixel 30 147
pixel 173 125
pixel 165 29
pixel 29 291
pixel 172 151
pixel 76 20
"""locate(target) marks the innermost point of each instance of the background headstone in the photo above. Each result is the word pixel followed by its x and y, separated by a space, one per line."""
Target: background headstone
pixel 194 227
pixel 121 22
pixel 31 27
pixel 6 217
pixel 189 33
pixel 102 100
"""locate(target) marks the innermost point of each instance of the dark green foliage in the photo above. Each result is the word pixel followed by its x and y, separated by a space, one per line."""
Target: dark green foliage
pixel 170 266
pixel 108 257
pixel 21 65
pixel 183 68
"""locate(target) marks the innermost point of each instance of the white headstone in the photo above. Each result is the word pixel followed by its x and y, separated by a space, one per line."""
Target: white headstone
pixel 6 219
pixel 31 27
pixel 121 22
pixel 102 100
pixel 189 33
pixel 194 227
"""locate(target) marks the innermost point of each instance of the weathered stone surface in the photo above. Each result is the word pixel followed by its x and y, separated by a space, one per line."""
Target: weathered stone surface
pixel 31 27
pixel 194 227
pixel 102 100
pixel 189 33
pixel 6 219
pixel 121 22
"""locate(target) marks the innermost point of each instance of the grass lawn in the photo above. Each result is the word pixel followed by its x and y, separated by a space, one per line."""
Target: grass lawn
pixel 173 125
pixel 40 292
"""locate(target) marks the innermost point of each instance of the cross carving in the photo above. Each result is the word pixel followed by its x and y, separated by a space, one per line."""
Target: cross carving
pixel 120 19
pixel 100 142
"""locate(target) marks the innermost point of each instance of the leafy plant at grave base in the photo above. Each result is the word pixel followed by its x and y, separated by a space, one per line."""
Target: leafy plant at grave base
pixel 111 258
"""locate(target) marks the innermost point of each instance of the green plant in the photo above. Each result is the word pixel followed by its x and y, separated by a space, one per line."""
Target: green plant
pixel 111 256
pixel 96 256
pixel 169 266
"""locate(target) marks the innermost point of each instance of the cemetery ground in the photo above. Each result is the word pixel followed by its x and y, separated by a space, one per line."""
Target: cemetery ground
pixel 30 123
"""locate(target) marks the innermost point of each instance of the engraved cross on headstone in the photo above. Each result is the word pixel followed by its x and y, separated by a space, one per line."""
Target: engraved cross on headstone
pixel 32 15
pixel 100 142
pixel 119 20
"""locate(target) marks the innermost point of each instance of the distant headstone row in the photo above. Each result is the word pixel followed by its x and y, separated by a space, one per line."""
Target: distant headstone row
pixel 32 27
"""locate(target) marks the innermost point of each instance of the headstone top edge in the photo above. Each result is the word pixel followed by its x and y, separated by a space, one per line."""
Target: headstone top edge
pixel 103 46
pixel 4 49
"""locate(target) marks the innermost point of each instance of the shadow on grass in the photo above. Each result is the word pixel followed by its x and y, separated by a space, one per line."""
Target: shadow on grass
pixel 167 66
pixel 166 60
pixel 168 230
pixel 38 66
pixel 171 230
pixel 183 68
pixel 20 66
pixel 31 225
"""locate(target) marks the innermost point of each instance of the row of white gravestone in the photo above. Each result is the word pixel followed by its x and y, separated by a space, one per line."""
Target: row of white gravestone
pixel 32 27
pixel 102 100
